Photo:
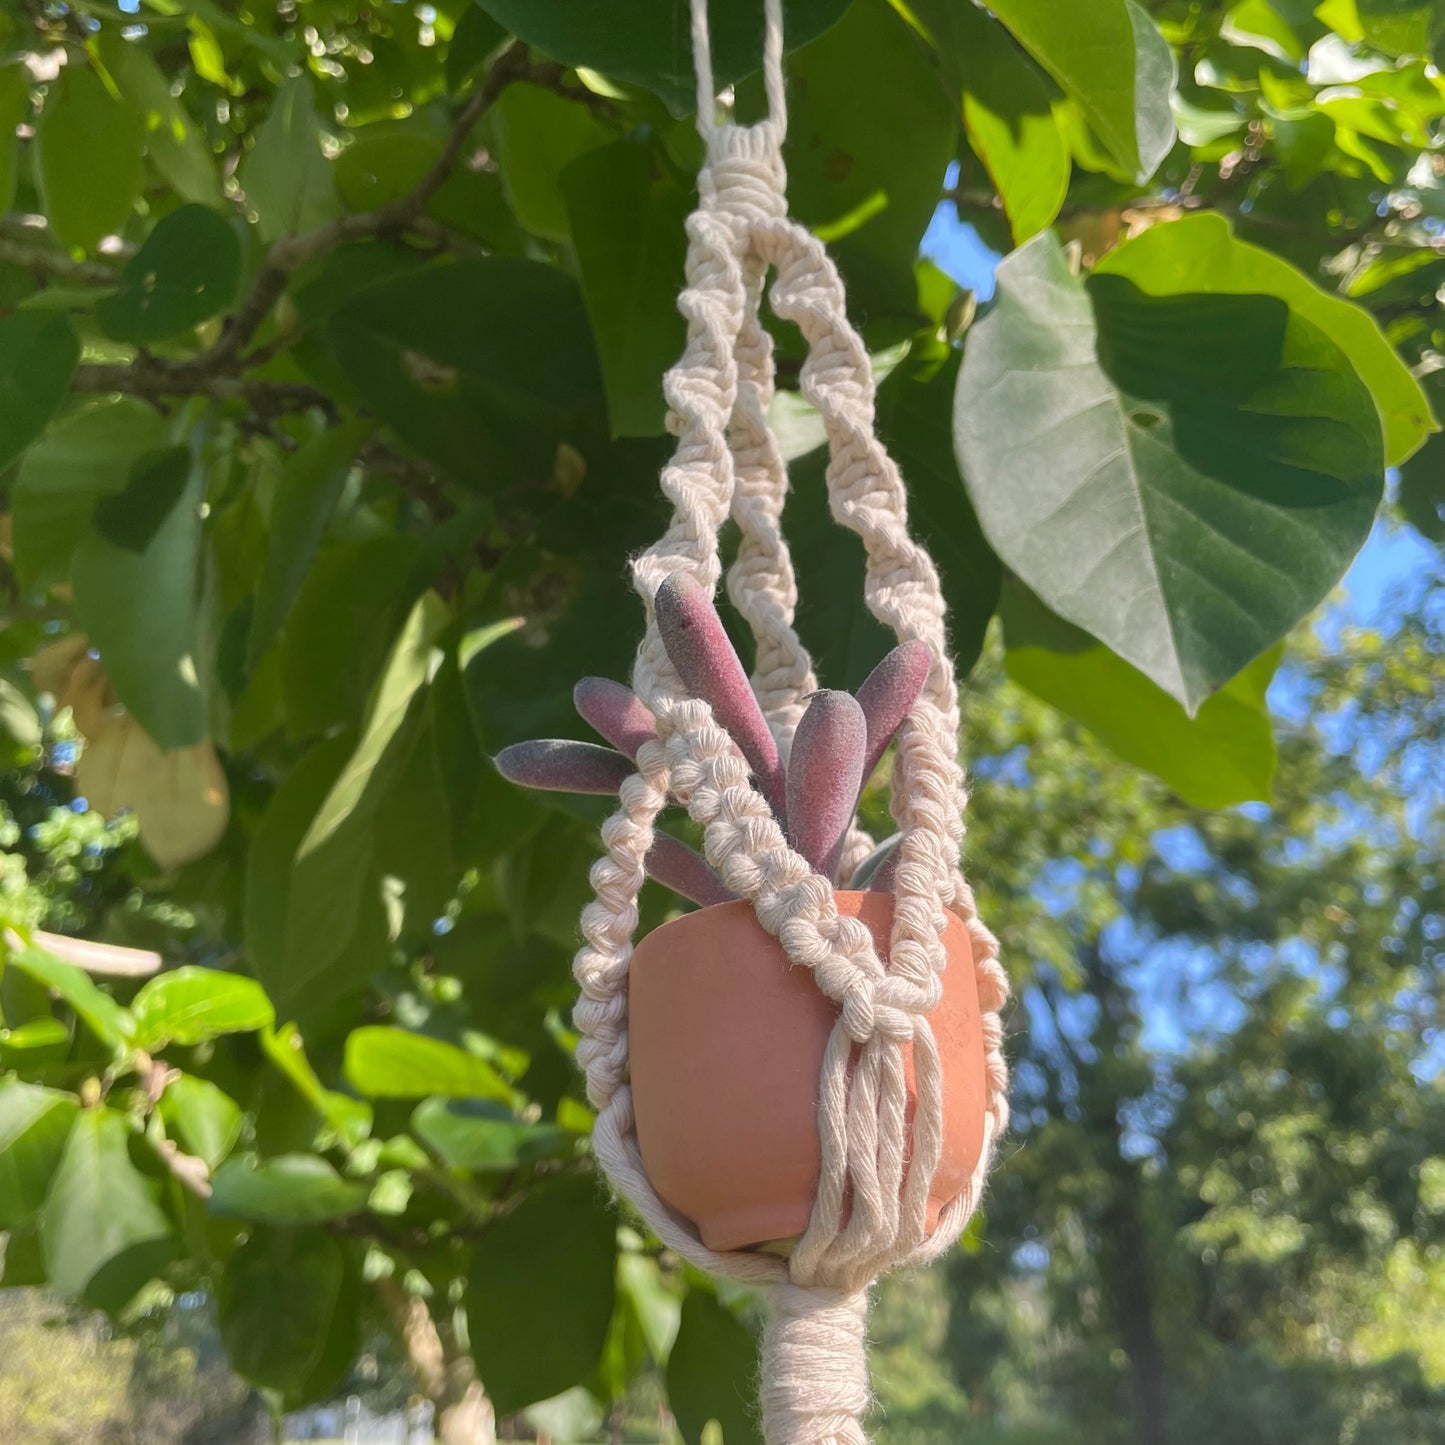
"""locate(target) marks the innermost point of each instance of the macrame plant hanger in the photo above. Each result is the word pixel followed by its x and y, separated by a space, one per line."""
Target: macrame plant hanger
pixel 877 1157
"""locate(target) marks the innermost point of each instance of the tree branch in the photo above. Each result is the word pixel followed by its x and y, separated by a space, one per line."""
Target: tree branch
pixel 290 253
pixel 56 264
pixel 151 379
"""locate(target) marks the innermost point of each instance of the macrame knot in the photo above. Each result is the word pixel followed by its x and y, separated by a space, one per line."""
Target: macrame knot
pixel 815 1366
pixel 866 1016
pixel 744 175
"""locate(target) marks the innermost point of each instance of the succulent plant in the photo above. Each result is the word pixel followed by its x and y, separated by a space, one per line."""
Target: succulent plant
pixel 839 741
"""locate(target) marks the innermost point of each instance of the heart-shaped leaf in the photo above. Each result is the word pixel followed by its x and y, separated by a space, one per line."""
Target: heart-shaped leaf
pixel 1183 475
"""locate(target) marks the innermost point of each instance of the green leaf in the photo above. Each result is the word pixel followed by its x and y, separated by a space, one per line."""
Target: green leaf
pixel 486 1138
pixel 35 1044
pixel 307 490
pixel 1110 57
pixel 38 355
pixel 14 107
pixel 339 629
pixel 288 1309
pixel 103 1230
pixel 292 981
pixel 202 1118
pixel 648 42
pixel 22 1260
pixel 34 1124
pixel 915 407
pixel 710 1372
pixel 915 420
pixel 537 134
pixel 112 1025
pixel 331 863
pixel 413 844
pixel 476 36
pixel 383 164
pixel 1009 120
pixel 870 136
pixel 541 1292
pixel 1184 476
pixel 1198 254
pixel 174 140
pixel 627 211
pixel 185 272
pixel 1222 756
pixel 390 158
pixel 82 457
pixel 388 1063
pixel 653 1301
pixel 1422 489
pixel 136 575
pixel 289 1189
pixel 488 403
pixel 287 180
pixel 349 1119
pixel 88 158
pixel 190 1005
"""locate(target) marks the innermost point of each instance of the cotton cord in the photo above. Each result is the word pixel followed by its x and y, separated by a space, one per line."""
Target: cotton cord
pixel 878 1159
pixel 815 1366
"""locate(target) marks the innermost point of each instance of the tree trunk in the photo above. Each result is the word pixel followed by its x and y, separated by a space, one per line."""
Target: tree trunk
pixel 446 1375
pixel 1134 1302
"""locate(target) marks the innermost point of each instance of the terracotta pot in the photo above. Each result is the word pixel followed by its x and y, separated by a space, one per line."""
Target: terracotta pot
pixel 727 1039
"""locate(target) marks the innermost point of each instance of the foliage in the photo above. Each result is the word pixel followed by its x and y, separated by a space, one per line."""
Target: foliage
pixel 331 346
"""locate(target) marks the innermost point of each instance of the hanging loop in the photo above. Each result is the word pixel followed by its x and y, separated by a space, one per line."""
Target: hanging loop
pixel 777 120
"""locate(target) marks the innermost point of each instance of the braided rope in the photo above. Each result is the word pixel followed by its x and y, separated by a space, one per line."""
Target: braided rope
pixel 877 1162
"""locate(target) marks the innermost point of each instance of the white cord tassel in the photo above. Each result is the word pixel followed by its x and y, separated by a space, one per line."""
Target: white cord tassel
pixel 814 1388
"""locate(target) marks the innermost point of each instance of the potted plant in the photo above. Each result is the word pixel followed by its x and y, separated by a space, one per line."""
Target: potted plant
pixel 726 1035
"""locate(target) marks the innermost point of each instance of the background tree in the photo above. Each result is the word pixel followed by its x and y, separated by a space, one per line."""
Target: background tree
pixel 330 407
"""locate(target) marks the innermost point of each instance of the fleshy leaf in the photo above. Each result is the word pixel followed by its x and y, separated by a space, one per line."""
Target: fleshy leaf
pixel 699 648
pixel 888 694
pixel 825 775
pixel 562 766
pixel 676 866
pixel 615 712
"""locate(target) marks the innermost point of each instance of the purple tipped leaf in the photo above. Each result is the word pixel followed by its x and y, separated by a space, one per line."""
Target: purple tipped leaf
pixel 825 776
pixel 615 712
pixel 888 694
pixel 676 866
pixel 698 646
pixel 562 766
pixel 879 863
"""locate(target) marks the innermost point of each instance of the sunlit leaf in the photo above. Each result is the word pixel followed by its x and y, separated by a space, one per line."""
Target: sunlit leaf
pixel 103 1229
pixel 287 1189
pixel 191 1005
pixel 1144 463
pixel 390 1063
pixel 89 158
pixel 1223 755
